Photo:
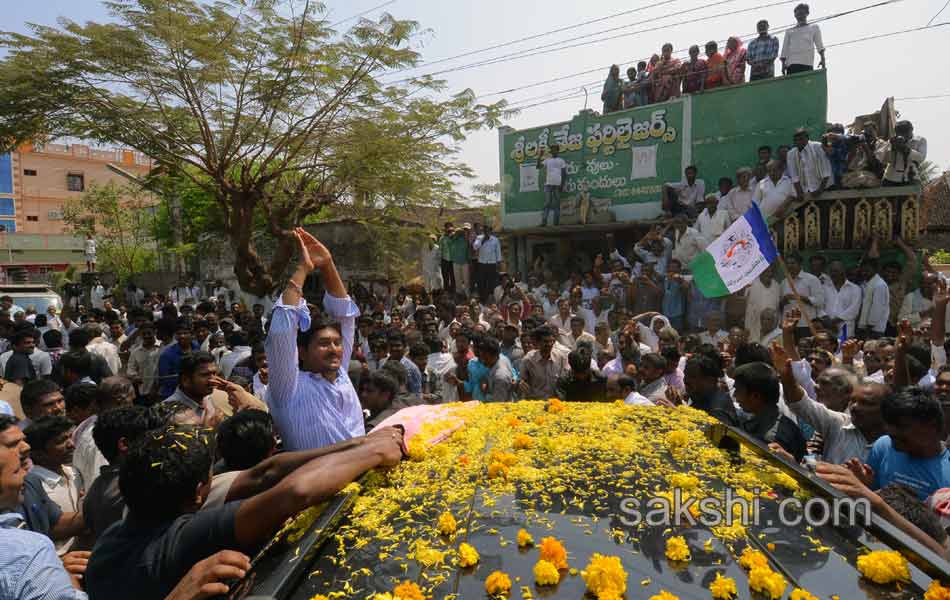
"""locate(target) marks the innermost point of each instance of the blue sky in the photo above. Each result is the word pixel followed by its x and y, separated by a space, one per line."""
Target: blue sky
pixel 861 75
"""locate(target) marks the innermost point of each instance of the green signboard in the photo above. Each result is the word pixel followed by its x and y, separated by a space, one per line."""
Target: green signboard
pixel 619 162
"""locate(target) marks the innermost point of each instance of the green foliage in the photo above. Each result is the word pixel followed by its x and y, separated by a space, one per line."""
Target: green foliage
pixel 122 221
pixel 260 105
pixel 940 257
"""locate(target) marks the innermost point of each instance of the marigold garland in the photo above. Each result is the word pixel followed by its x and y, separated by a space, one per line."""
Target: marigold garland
pixel 936 591
pixel 498 584
pixel 723 588
pixel 884 566
pixel 554 552
pixel 447 524
pixel 800 594
pixel 524 538
pixel 468 555
pixel 408 590
pixel 605 577
pixel 752 559
pixel 522 442
pixel 677 549
pixel 546 573
pixel 767 582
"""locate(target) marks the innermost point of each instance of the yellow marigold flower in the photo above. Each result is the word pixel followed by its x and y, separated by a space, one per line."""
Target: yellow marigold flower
pixel 523 442
pixel 506 458
pixel 539 420
pixel 937 592
pixel 664 595
pixel 378 596
pixel 524 538
pixel 770 546
pixel 464 460
pixel 417 450
pixel 319 597
pixel 884 566
pixel 677 549
pixel 407 590
pixel 498 584
pixel 556 406
pixel 605 577
pixel 800 594
pixel 545 573
pixel 677 439
pixel 447 524
pixel 514 422
pixel 497 469
pixel 723 588
pixel 752 559
pixel 767 582
pixel 553 551
pixel 684 481
pixel 468 555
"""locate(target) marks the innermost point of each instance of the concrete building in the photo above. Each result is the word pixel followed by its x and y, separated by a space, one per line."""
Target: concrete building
pixel 35 181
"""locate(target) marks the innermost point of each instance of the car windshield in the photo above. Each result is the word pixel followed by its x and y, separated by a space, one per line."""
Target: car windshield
pixel 40 303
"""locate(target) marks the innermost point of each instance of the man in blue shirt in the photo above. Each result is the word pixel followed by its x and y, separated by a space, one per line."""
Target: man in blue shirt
pixel 169 363
pixel 912 454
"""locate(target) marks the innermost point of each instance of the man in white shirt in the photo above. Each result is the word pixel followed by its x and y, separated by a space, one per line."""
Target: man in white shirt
pixel 808 166
pixel 712 222
pixel 687 242
pixel 488 249
pixel 809 288
pixel 876 304
pixel 763 294
pixel 801 41
pixel 577 333
pixel 768 326
pixel 918 304
pixel 555 176
pixel 99 345
pixel 143 361
pixel 240 350
pixel 774 193
pixel 685 196
pixel 901 162
pixel 905 129
pixel 713 334
pixel 739 198
pixel 51 448
pixel 842 299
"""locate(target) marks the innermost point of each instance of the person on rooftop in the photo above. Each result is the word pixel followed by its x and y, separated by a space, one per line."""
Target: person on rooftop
pixel 735 57
pixel 666 76
pixel 801 41
pixel 762 52
pixel 611 95
pixel 694 72
pixel 715 66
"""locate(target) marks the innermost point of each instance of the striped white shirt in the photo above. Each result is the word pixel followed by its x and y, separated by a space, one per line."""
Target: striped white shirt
pixel 308 410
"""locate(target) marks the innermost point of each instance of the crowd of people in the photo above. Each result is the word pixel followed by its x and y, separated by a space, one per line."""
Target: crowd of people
pixel 127 471
pixel 665 77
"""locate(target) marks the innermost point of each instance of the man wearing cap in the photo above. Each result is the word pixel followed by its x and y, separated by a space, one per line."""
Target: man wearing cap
pixel 460 257
pixel 488 250
pixel 808 166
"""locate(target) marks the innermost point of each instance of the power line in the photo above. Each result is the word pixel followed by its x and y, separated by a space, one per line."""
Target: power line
pixel 938 12
pixel 534 36
pixel 549 47
pixel 633 61
pixel 923 97
pixel 845 43
pixel 367 11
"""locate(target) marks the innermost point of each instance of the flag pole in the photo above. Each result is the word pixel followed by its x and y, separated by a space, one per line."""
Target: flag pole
pixel 798 298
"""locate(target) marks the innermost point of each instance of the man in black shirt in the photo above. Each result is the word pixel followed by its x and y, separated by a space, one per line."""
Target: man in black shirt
pixel 757 392
pixel 581 384
pixel 701 380
pixel 165 478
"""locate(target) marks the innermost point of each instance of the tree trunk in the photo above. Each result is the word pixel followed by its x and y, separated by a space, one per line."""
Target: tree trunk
pixel 253 275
